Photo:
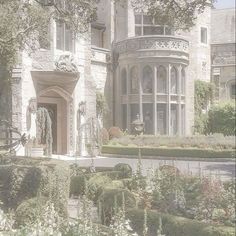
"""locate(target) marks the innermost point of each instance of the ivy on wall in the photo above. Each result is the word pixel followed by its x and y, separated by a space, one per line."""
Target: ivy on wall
pixel 203 97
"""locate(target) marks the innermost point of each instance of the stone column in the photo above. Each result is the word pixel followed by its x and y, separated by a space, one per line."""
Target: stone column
pixel 155 99
pixel 168 69
pixel 140 68
pixel 179 85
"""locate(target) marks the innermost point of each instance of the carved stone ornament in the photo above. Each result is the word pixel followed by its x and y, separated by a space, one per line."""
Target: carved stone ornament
pixel 66 63
pixel 32 105
pixel 82 108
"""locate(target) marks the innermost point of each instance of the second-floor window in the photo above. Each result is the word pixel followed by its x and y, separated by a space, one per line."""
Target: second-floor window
pixel 147 25
pixel 64 37
pixel 204 35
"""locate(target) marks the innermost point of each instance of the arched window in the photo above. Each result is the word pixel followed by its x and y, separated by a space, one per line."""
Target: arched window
pixel 183 81
pixel 173 80
pixel 147 80
pixel 161 80
pixel 134 85
pixel 124 81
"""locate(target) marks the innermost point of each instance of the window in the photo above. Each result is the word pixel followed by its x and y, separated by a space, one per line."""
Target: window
pixel 124 81
pixel 147 80
pixel 173 81
pixel 64 37
pixel 146 25
pixel 134 81
pixel 203 35
pixel 233 91
pixel 161 118
pixel 173 119
pixel 124 117
pixel 161 80
pixel 148 118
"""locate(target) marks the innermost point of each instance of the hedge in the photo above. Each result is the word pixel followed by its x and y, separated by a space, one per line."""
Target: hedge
pixel 174 225
pixel 24 178
pixel 168 152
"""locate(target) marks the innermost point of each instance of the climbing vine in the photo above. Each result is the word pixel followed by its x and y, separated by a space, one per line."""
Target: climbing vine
pixel 44 130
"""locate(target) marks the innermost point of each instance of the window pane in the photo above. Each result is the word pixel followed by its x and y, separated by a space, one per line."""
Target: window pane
pixel 173 120
pixel 183 119
pixel 124 81
pixel 153 30
pixel 173 81
pixel 203 35
pixel 124 117
pixel 138 19
pixel 138 31
pixel 161 80
pixel 147 80
pixel 161 118
pixel 148 118
pixel 68 39
pixel 147 20
pixel 60 35
pixel 134 81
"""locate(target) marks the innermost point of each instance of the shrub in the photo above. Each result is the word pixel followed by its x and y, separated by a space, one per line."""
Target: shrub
pixel 115 132
pixel 95 186
pixel 174 225
pixel 104 136
pixel 113 198
pixel 222 119
pixel 77 185
pixel 125 169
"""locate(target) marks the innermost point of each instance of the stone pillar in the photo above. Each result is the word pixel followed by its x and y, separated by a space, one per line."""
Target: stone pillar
pixel 168 69
pixel 128 99
pixel 140 68
pixel 155 99
pixel 179 85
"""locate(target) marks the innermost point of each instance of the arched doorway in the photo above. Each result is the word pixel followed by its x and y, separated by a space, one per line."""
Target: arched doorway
pixel 57 101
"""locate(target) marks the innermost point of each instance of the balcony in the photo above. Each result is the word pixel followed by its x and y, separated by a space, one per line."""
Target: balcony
pixel 153 46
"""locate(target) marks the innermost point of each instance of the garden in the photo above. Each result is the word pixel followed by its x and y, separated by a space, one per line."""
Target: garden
pixel 34 195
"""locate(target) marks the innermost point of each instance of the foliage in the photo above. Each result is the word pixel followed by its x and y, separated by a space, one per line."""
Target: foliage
pixel 215 141
pixel 101 104
pixel 177 14
pixel 112 199
pixel 125 169
pixel 174 225
pixel 44 129
pixel 77 185
pixel 153 153
pixel 115 132
pixel 203 96
pixel 222 119
pixel 104 136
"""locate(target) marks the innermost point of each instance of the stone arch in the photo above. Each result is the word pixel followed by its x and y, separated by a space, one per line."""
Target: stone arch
pixel 173 80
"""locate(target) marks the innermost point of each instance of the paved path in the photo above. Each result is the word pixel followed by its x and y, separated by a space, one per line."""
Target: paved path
pixel 223 170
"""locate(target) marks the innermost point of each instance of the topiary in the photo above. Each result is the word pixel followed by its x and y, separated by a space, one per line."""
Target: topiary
pixel 125 169
pixel 111 199
pixel 28 211
pixel 104 136
pixel 115 132
pixel 95 186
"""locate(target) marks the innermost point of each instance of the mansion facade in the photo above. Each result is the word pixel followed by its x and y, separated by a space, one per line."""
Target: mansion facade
pixel 144 70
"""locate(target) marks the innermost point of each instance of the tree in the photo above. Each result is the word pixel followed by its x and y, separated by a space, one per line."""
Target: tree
pixel 178 14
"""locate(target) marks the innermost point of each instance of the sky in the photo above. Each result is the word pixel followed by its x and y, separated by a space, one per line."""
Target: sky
pixel 224 4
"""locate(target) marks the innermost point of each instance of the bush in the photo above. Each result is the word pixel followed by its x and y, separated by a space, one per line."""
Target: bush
pixel 174 225
pixel 115 132
pixel 95 186
pixel 50 178
pixel 125 169
pixel 113 198
pixel 168 152
pixel 222 119
pixel 77 185
pixel 104 136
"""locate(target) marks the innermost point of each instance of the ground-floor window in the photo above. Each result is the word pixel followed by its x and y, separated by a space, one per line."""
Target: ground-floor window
pixel 124 116
pixel 173 119
pixel 161 119
pixel 148 118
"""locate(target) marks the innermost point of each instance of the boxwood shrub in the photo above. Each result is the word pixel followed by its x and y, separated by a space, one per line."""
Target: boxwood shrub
pixel 174 225
pixel 168 152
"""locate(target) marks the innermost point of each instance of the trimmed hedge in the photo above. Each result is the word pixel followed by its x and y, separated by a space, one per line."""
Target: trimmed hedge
pixel 24 178
pixel 174 225
pixel 168 152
